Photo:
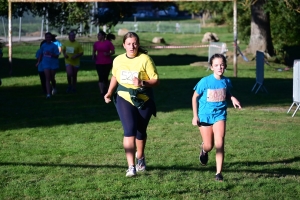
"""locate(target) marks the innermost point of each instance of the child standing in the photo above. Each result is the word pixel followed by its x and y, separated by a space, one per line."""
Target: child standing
pixel 210 110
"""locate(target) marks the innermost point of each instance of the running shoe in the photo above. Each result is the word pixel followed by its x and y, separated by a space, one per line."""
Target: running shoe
pixel 54 91
pixel 48 96
pixel 131 171
pixel 203 157
pixel 219 177
pixel 141 165
pixel 69 89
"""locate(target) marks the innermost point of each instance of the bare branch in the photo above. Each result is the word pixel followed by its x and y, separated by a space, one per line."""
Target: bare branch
pixel 297 9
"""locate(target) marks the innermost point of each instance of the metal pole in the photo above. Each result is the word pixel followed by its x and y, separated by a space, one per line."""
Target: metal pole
pixel 61 31
pixel 96 7
pixel 47 26
pixel 80 29
pixel 20 27
pixel 9 35
pixel 92 18
pixel 42 25
pixel 4 30
pixel 235 38
pixel 42 28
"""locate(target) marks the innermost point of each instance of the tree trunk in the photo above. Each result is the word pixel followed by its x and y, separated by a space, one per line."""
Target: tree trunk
pixel 192 16
pixel 260 38
pixel 205 16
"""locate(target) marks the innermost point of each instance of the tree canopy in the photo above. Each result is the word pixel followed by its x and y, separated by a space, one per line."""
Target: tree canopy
pixel 283 18
pixel 71 14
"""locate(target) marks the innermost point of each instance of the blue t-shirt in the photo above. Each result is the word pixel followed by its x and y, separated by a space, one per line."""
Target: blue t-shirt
pixel 57 43
pixel 37 55
pixel 212 98
pixel 47 61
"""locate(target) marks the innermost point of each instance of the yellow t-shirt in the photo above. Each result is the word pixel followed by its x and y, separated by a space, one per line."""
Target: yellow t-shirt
pixel 124 69
pixel 72 48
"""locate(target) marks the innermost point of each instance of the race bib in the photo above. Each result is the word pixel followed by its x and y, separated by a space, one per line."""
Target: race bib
pixel 216 95
pixel 127 76
pixel 70 50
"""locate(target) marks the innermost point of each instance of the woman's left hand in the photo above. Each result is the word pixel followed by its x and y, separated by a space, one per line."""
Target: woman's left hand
pixel 137 82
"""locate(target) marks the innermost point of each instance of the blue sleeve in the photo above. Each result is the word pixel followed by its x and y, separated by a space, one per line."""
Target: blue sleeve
pixel 57 43
pixel 200 87
pixel 228 84
pixel 38 54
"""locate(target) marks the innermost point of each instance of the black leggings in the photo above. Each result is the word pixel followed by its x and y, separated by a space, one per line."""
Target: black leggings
pixel 43 81
pixel 134 120
pixel 103 72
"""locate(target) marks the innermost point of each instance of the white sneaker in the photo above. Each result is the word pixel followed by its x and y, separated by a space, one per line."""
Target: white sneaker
pixel 54 91
pixel 131 171
pixel 141 164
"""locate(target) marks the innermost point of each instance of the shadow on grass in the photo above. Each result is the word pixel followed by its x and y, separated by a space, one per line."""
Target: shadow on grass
pixel 246 167
pixel 26 106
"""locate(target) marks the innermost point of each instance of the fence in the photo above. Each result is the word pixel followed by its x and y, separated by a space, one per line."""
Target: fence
pixel 28 26
pixel 160 26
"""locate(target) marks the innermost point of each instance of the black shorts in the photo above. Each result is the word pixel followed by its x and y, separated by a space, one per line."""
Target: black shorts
pixel 204 124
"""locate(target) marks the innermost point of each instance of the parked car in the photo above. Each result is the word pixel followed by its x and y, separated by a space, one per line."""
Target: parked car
pixel 170 11
pixel 143 13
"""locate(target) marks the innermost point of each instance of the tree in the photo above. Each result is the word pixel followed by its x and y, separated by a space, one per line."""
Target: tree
pixel 112 13
pixel 59 15
pixel 64 15
pixel 260 38
pixel 203 9
pixel 274 22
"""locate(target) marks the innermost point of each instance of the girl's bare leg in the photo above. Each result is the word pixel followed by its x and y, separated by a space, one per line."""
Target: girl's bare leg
pixel 207 137
pixel 219 135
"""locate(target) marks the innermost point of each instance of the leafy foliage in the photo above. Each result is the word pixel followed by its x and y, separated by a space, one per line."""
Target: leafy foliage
pixel 112 13
pixel 201 7
pixel 66 15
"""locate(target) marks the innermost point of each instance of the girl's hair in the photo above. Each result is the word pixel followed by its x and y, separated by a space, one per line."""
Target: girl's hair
pixel 42 42
pixel 134 35
pixel 53 37
pixel 110 37
pixel 72 32
pixel 48 33
pixel 218 55
pixel 102 33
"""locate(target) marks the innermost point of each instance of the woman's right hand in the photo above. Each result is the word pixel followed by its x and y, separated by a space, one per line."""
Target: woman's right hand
pixel 107 98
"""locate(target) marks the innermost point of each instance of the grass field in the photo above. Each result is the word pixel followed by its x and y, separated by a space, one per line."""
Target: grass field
pixel 70 146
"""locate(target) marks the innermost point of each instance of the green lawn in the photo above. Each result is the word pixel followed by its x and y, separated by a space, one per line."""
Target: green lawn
pixel 70 146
